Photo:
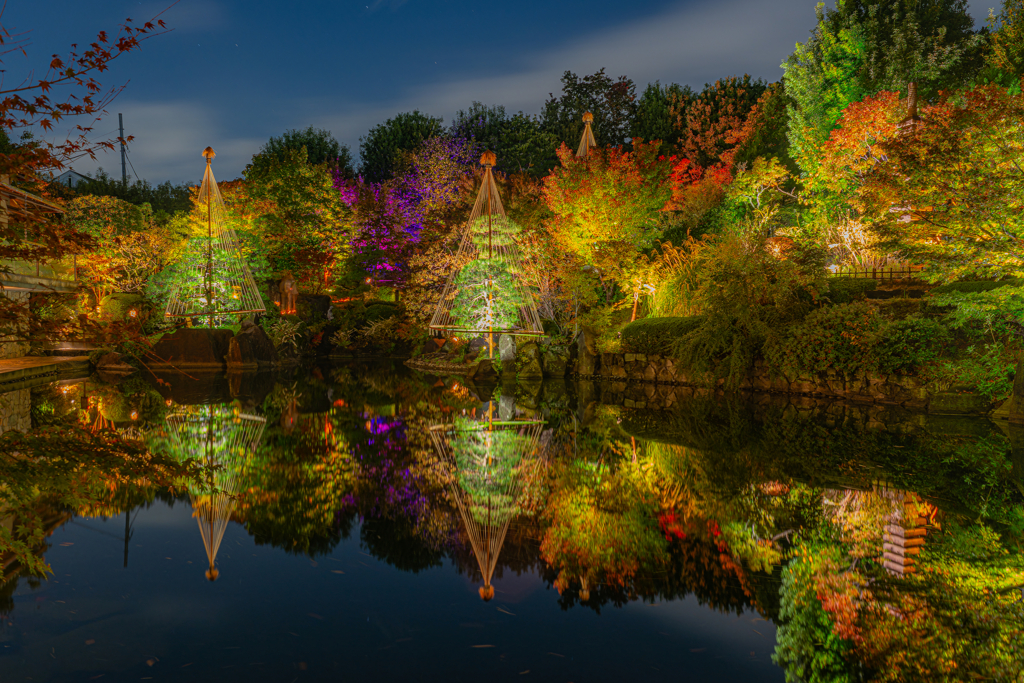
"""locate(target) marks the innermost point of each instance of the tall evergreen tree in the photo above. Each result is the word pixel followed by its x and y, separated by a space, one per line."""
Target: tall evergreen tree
pixel 611 101
pixel 382 148
pixel 656 112
pixel 863 47
pixel 321 147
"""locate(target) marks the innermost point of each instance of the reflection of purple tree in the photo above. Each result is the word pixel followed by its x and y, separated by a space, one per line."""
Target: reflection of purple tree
pixel 388 487
pixel 391 216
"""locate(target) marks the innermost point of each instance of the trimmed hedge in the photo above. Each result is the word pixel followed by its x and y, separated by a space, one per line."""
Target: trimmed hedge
pixel 656 335
pixel 974 286
pixel 379 310
pixel 844 290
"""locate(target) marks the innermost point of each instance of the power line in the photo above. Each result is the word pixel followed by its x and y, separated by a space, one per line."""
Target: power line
pixel 129 158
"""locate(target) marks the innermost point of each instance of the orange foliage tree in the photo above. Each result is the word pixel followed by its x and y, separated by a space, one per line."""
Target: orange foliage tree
pixel 606 206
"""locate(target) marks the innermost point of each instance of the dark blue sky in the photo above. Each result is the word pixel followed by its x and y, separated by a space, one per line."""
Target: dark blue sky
pixel 235 72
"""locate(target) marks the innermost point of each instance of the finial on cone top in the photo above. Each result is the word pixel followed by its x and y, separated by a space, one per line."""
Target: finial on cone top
pixel 488 159
pixel 486 592
pixel 208 153
pixel 588 117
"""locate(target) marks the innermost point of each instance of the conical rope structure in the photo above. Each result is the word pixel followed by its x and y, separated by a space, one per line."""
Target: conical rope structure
pixel 485 464
pixel 489 295
pixel 588 136
pixel 222 439
pixel 215 280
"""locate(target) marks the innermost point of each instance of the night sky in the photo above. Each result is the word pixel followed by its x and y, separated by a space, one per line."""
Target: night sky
pixel 232 73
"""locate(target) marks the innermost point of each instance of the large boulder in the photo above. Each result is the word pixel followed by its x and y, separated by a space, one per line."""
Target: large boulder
pixel 114 363
pixel 589 360
pixel 483 372
pixel 250 348
pixel 528 361
pixel 507 349
pixel 555 361
pixel 189 347
pixel 314 306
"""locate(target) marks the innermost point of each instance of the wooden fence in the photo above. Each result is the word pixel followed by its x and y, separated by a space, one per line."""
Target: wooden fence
pixel 896 271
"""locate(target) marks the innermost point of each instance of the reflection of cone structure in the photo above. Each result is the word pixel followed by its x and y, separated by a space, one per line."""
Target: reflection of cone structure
pixel 904 538
pixel 489 294
pixel 222 439
pixel 588 136
pixel 486 464
pixel 132 434
pixel 584 588
pixel 216 279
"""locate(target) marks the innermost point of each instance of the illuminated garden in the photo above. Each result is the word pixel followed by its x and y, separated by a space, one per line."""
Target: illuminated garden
pixel 659 383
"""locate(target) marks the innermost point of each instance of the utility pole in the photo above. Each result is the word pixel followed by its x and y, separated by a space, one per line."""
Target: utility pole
pixel 124 172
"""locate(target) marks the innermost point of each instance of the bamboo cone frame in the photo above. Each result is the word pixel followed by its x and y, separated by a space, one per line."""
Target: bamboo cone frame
pixel 217 281
pixel 489 239
pixel 587 140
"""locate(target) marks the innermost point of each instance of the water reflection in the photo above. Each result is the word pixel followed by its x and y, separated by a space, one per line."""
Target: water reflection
pixel 875 540
pixel 486 463
pixel 222 440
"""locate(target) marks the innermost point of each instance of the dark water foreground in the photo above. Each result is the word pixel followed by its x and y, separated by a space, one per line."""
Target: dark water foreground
pixel 367 523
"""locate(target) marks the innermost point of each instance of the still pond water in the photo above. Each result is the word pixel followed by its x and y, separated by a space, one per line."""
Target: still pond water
pixel 365 522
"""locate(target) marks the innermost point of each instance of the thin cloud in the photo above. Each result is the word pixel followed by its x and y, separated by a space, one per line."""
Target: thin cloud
pixel 184 15
pixel 688 44
pixel 169 141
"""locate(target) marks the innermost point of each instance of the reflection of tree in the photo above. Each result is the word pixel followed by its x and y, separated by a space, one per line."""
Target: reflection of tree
pixel 51 475
pixel 486 464
pixel 221 439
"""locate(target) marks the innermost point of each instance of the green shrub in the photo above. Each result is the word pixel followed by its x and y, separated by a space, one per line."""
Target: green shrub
pixel 975 286
pixel 380 310
pixel 909 344
pixel 747 297
pixel 118 306
pixel 656 335
pixel 845 290
pixel 989 370
pixel 607 322
pixel 841 338
pixel 992 313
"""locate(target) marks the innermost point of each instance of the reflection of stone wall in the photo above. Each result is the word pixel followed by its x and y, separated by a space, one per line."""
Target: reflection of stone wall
pixel 640 377
pixel 14 349
pixel 16 411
